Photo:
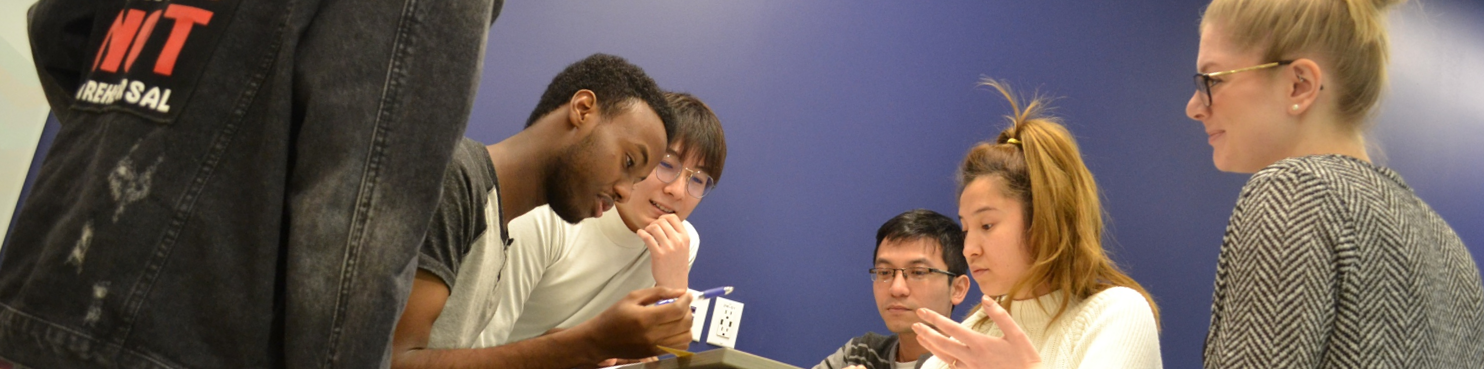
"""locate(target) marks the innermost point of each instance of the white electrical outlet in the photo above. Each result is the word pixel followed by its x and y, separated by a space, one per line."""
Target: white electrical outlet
pixel 724 323
pixel 699 306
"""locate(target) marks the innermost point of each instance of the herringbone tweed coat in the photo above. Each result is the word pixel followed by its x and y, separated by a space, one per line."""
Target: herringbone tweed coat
pixel 1332 262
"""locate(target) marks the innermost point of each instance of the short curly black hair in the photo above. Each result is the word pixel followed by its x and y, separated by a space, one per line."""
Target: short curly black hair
pixel 614 81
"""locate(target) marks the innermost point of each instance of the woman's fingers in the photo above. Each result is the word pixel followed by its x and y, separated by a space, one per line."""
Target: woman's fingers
pixel 1002 318
pixel 945 348
pixel 943 324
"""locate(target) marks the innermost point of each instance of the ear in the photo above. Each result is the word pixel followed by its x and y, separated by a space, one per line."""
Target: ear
pixel 960 288
pixel 1305 79
pixel 582 109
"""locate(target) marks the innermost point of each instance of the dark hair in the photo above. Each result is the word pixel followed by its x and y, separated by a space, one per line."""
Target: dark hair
pixel 699 132
pixel 614 81
pixel 927 224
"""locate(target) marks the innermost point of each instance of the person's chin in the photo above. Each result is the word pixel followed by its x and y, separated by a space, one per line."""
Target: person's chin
pixel 645 220
pixel 572 213
pixel 633 219
pixel 900 326
pixel 1223 162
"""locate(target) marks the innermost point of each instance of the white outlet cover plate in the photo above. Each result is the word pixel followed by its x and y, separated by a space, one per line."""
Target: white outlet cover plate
pixel 700 306
pixel 726 319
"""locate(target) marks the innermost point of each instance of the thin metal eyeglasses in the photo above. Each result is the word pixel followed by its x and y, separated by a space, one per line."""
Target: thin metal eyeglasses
pixel 1203 81
pixel 697 183
pixel 913 273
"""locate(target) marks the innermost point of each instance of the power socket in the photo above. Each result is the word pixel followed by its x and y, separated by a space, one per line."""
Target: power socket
pixel 725 322
pixel 700 307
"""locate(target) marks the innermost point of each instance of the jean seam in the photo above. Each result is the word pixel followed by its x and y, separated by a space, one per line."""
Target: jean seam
pixel 114 350
pixel 367 195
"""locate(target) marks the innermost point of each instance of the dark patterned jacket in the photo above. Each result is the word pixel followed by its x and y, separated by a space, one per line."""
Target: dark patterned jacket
pixel 1331 262
pixel 873 351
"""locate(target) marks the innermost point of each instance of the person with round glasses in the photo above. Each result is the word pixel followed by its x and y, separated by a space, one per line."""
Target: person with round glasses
pixel 1328 260
pixel 558 274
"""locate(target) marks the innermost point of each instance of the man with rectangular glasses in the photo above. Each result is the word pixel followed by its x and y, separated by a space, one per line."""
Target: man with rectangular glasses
pixel 919 263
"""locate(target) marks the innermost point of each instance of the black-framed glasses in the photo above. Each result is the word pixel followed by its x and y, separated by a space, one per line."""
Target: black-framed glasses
pixel 1204 81
pixel 912 274
pixel 697 183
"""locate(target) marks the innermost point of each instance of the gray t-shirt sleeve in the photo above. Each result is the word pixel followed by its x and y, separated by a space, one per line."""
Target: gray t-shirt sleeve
pixel 874 351
pixel 460 217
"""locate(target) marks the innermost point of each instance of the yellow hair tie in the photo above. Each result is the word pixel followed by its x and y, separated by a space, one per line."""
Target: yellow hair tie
pixel 1012 140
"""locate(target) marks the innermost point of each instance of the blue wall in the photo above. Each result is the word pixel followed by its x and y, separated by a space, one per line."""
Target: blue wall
pixel 840 115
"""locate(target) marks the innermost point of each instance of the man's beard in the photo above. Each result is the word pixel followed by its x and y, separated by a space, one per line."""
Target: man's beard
pixel 563 181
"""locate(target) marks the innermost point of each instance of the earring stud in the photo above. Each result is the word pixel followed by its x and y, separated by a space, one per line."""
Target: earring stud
pixel 1295 107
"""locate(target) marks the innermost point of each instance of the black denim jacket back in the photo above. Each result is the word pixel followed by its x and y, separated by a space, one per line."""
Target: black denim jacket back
pixel 235 183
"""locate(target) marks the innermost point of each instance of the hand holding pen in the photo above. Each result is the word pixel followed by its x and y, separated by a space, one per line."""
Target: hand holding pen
pixel 634 327
pixel 702 295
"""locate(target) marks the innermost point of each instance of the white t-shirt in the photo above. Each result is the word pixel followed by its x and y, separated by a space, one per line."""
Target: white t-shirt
pixel 1113 328
pixel 558 275
pixel 904 364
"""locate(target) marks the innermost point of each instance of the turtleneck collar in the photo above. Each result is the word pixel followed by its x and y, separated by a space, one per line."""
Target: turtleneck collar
pixel 613 227
pixel 1032 315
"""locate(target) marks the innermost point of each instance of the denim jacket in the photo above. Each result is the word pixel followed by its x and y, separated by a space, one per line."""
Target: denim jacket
pixel 235 183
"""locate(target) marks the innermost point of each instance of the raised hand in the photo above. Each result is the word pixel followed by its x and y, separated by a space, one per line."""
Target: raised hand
pixel 669 250
pixel 632 328
pixel 963 348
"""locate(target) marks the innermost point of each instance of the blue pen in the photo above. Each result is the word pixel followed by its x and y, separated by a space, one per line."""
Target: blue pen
pixel 719 291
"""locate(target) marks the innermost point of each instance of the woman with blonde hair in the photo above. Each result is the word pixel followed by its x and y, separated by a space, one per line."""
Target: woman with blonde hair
pixel 1033 239
pixel 1328 260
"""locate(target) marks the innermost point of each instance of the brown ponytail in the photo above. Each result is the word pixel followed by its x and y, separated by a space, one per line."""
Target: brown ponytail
pixel 1042 167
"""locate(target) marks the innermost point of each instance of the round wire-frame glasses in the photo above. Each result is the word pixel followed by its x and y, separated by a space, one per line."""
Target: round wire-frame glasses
pixel 697 184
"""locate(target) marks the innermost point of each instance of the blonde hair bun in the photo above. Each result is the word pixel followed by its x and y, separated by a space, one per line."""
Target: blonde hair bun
pixel 1350 33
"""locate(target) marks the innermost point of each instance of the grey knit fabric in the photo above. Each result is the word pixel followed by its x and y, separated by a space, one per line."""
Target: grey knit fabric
pixel 1331 262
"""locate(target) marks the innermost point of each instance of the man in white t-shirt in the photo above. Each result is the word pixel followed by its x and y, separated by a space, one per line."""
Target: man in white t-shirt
pixel 558 275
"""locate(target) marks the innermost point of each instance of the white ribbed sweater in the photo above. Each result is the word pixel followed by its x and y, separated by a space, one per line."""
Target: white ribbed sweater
pixel 1111 329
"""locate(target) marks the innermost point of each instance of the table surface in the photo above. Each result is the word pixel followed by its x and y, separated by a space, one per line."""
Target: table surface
pixel 722 358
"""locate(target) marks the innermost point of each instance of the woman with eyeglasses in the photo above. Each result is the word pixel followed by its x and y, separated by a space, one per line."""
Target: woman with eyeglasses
pixel 1328 260
pixel 558 274
pixel 1033 240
